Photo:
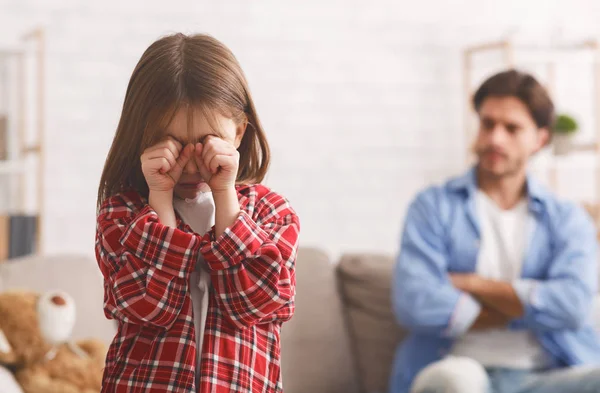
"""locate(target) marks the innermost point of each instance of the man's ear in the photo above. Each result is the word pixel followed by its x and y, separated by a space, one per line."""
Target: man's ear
pixel 544 136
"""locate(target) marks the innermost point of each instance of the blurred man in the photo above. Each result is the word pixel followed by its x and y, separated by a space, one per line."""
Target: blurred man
pixel 496 276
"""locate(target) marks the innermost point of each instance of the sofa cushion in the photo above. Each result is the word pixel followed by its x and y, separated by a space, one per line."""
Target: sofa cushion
pixel 77 275
pixel 315 349
pixel 365 285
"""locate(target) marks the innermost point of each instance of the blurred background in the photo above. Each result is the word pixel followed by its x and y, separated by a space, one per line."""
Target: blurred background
pixel 364 103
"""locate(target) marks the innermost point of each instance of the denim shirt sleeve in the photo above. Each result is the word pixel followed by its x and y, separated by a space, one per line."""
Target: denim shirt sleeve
pixel 423 297
pixel 563 301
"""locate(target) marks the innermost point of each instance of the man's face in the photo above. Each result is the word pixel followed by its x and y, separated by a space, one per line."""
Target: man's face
pixel 507 136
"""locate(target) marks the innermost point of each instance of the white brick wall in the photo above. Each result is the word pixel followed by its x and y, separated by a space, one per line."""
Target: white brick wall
pixel 362 101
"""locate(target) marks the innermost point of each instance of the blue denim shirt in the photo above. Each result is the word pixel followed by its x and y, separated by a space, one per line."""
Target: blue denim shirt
pixel 557 286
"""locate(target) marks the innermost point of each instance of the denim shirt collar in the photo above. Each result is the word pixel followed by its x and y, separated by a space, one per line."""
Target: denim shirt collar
pixel 537 194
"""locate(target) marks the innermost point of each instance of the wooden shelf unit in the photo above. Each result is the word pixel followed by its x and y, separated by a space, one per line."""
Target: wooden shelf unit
pixel 31 47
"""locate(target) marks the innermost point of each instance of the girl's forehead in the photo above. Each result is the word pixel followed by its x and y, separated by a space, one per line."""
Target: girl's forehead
pixel 194 124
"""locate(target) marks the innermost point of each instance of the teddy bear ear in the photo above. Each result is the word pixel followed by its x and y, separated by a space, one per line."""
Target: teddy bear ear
pixel 4 345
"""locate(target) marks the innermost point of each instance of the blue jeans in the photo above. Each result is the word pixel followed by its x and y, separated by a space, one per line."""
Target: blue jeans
pixel 570 380
pixel 462 375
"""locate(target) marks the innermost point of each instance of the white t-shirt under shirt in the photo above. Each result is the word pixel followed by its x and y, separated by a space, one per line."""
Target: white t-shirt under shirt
pixel 199 214
pixel 504 239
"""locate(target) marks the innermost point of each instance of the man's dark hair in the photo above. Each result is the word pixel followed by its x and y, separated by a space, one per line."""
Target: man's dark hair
pixel 513 83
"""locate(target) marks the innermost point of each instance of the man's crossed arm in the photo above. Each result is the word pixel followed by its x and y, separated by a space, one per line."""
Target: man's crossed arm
pixel 499 300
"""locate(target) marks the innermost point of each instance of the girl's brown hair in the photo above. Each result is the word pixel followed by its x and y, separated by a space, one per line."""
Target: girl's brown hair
pixel 175 71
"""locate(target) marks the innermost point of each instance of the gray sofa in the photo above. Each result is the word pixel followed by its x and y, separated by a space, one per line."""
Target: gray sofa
pixel 342 338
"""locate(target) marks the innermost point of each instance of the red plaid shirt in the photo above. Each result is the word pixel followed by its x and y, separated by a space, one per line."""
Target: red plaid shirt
pixel 146 268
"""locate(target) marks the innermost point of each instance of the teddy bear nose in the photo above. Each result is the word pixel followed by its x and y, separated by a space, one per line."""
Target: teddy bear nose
pixel 58 300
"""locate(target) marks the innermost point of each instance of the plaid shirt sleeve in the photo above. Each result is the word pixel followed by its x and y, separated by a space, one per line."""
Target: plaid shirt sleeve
pixel 253 263
pixel 145 264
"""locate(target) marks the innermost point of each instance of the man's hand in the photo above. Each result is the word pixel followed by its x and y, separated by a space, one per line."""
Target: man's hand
pixel 498 295
pixel 498 306
pixel 466 282
pixel 490 318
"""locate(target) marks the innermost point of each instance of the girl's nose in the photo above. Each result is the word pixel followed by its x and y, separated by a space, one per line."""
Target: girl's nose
pixel 190 168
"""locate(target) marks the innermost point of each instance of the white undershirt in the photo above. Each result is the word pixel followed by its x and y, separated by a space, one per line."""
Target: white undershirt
pixel 504 238
pixel 199 214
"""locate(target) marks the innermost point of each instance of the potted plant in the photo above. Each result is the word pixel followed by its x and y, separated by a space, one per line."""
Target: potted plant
pixel 564 129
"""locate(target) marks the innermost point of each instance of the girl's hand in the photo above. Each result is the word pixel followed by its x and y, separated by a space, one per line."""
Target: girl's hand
pixel 163 163
pixel 218 162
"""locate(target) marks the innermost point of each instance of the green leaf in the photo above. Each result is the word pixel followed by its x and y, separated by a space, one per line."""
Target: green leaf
pixel 565 124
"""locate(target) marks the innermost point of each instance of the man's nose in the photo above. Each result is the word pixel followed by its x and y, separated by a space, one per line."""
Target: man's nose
pixel 498 134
